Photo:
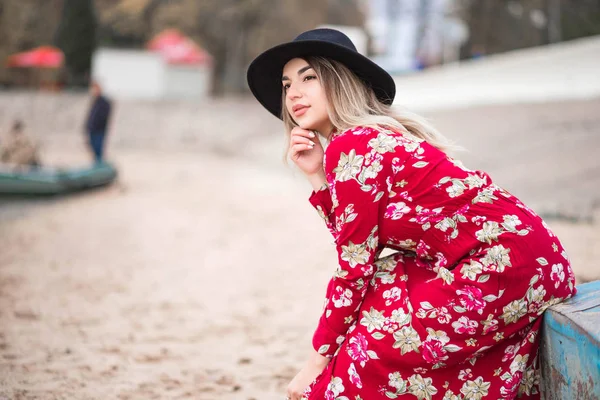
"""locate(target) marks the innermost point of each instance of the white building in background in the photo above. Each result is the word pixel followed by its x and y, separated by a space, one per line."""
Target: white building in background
pixel 141 74
pixel 407 34
pixel 132 74
pixel 187 81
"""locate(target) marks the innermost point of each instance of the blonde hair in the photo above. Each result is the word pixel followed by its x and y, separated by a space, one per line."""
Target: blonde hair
pixel 353 103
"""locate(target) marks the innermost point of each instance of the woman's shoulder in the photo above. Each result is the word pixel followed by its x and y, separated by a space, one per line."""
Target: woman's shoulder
pixel 357 132
pixel 366 142
pixel 362 131
pixel 355 138
pixel 370 137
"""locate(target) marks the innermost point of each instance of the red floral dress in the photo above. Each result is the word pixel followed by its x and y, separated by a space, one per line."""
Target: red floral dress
pixel 455 312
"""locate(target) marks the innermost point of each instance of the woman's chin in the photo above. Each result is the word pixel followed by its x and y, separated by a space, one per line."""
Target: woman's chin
pixel 307 125
pixel 312 125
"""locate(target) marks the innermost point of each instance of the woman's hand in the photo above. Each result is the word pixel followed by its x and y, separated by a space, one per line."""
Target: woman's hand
pixel 313 368
pixel 306 151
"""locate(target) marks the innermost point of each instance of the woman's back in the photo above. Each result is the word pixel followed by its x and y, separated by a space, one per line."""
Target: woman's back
pixel 433 205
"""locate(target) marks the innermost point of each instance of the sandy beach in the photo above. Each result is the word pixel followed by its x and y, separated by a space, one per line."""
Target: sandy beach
pixel 200 274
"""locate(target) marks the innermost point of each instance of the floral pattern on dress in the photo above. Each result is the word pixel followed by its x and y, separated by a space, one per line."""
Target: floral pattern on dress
pixel 455 312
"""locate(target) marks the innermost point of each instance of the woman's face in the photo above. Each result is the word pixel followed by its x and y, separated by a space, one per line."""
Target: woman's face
pixel 305 98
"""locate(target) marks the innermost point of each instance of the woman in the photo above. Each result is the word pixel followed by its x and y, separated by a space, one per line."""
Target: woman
pixel 455 312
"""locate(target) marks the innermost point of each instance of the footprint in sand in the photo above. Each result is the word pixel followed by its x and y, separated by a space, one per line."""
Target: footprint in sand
pixel 153 358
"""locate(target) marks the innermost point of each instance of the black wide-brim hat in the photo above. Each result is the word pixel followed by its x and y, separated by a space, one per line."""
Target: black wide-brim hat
pixel 264 73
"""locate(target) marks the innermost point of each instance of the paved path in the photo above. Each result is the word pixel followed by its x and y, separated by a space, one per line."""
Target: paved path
pixel 559 72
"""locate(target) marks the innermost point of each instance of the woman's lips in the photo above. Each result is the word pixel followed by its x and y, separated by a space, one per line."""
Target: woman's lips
pixel 298 111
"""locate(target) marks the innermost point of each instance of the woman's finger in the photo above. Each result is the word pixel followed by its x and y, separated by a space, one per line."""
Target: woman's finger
pixel 289 393
pixel 301 140
pixel 293 395
pixel 303 133
pixel 297 148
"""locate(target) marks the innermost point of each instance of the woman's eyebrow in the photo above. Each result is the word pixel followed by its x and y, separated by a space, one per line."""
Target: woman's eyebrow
pixel 300 71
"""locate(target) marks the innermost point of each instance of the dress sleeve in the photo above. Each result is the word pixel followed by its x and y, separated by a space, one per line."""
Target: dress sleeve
pixel 358 177
pixel 321 201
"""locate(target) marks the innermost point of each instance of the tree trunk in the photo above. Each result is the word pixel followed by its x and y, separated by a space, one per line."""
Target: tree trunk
pixel 76 37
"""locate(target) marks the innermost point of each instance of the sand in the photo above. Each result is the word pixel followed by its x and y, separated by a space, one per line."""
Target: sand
pixel 201 273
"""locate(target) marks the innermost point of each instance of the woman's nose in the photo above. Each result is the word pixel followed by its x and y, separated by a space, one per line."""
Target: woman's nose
pixel 293 93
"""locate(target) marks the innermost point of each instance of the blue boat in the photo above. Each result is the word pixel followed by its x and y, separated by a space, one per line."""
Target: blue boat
pixel 50 181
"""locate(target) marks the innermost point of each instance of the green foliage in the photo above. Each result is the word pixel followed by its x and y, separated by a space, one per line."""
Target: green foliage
pixel 76 37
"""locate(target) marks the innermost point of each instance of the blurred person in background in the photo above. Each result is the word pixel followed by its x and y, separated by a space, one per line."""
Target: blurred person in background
pixel 97 121
pixel 18 149
pixel 455 311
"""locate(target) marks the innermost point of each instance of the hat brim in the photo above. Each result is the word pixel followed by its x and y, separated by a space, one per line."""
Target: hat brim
pixel 264 73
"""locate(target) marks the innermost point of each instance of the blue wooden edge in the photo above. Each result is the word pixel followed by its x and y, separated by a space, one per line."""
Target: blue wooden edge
pixel 570 347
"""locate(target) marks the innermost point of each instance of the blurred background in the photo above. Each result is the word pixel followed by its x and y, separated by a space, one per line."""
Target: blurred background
pixel 402 35
pixel 197 268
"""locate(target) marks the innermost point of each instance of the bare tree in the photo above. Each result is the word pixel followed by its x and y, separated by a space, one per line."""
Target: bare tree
pixel 76 36
pixel 149 11
pixel 554 21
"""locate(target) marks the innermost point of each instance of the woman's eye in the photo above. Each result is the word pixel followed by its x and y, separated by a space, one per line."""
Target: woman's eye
pixel 286 86
pixel 309 77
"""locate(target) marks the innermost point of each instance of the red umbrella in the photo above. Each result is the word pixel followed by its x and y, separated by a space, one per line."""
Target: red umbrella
pixel 177 48
pixel 40 57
